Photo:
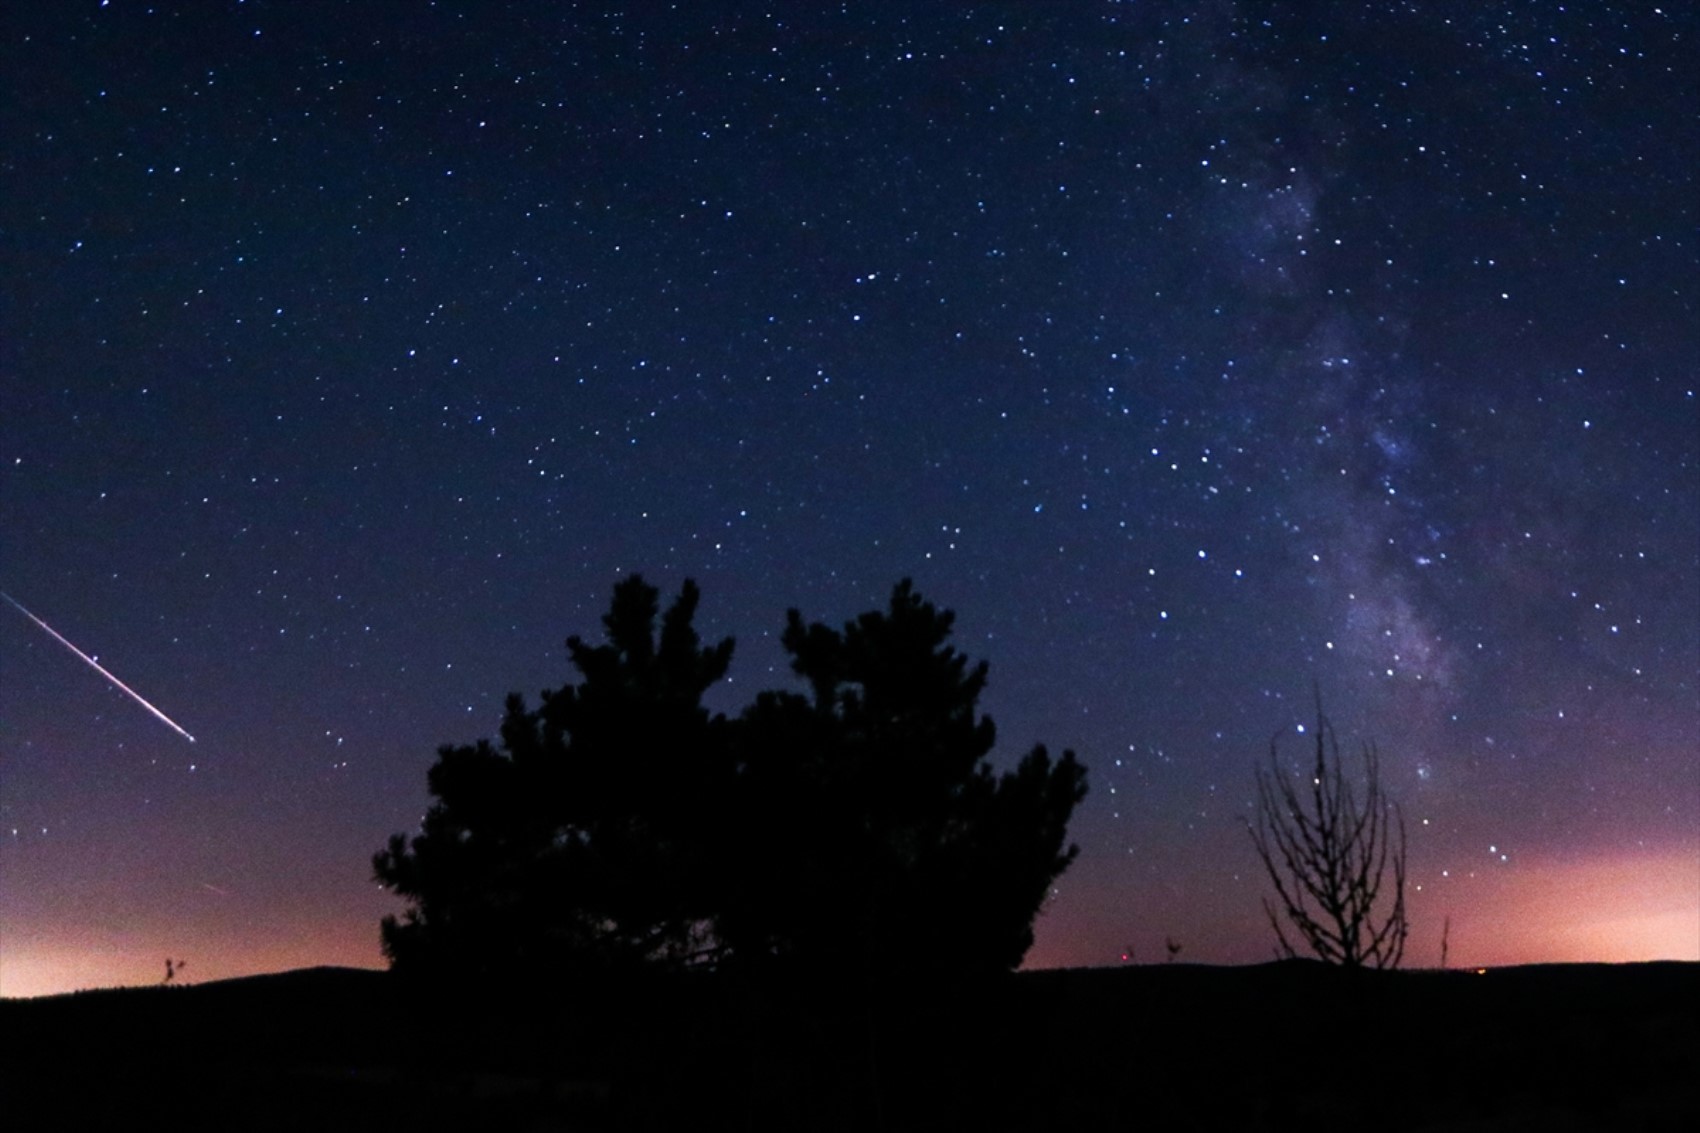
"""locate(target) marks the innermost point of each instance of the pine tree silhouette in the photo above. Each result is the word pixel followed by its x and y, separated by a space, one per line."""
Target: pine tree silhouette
pixel 882 837
pixel 577 840
pixel 620 825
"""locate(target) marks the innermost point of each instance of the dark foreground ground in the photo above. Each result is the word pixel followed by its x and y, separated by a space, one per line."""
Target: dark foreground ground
pixel 1283 1046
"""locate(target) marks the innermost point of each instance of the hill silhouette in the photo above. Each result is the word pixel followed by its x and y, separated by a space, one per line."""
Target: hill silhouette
pixel 1292 1045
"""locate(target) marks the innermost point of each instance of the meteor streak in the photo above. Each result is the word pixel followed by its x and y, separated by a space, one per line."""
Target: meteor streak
pixel 95 665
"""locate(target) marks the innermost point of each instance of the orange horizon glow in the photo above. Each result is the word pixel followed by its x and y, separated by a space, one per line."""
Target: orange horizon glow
pixel 54 965
pixel 1634 907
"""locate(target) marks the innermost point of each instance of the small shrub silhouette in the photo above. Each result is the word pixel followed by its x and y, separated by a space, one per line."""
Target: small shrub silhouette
pixel 1328 853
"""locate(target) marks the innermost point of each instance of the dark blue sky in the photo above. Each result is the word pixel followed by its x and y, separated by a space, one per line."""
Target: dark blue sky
pixel 349 354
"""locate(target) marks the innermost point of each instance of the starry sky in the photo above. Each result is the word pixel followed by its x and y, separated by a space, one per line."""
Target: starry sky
pixel 1193 353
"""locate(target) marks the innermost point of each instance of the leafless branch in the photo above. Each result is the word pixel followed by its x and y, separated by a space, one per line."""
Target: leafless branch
pixel 1327 854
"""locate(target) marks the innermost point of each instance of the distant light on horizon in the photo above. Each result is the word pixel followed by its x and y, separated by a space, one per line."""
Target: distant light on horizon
pixel 1307 384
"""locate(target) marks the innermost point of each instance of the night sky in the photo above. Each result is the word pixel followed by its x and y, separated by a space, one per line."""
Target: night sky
pixel 1194 354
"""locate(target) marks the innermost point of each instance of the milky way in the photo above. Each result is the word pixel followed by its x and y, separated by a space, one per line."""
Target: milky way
pixel 1196 355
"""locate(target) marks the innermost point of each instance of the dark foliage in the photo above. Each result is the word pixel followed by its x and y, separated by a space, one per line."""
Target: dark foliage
pixel 619 825
pixel 876 834
pixel 578 839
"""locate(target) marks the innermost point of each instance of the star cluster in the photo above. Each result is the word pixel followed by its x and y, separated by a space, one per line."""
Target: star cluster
pixel 1197 355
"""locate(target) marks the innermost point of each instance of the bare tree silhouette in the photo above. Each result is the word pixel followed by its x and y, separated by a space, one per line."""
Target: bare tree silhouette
pixel 1327 854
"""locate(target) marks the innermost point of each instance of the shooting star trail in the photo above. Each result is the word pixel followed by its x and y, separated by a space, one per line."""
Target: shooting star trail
pixel 96 666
